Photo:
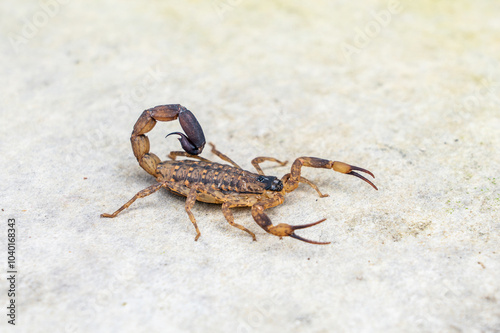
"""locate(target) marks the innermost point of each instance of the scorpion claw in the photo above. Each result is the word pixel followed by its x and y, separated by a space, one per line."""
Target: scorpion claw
pixel 303 226
pixel 362 170
pixel 348 170
pixel 283 229
pixel 361 177
pixel 308 241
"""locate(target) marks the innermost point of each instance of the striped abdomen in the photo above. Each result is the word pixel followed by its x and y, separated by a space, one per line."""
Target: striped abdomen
pixel 217 176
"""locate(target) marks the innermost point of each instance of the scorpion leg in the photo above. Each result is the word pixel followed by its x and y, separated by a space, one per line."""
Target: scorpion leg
pixel 229 217
pixel 305 181
pixel 281 229
pixel 293 181
pixel 222 156
pixel 257 160
pixel 173 155
pixel 141 194
pixel 190 200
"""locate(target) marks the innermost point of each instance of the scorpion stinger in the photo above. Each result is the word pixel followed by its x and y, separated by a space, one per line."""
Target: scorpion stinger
pixel 187 145
pixel 194 140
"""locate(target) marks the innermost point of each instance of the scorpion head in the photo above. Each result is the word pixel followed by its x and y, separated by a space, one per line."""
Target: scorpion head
pixel 272 183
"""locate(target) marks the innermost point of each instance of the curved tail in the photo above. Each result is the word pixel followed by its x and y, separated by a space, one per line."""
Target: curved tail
pixel 192 142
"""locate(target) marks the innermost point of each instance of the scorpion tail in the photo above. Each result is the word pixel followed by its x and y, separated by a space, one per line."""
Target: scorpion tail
pixel 193 143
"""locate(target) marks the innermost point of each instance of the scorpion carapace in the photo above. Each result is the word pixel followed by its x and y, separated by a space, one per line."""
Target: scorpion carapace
pixel 272 183
pixel 228 185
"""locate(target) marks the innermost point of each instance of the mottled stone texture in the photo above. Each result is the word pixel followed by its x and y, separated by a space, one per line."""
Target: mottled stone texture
pixel 409 90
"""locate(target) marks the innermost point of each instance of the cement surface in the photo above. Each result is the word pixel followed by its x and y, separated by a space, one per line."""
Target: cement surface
pixel 408 90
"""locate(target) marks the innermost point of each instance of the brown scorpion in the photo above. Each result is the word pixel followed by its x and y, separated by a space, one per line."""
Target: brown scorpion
pixel 211 182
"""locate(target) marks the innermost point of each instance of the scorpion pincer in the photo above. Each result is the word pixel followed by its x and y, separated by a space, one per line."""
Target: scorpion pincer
pixel 199 179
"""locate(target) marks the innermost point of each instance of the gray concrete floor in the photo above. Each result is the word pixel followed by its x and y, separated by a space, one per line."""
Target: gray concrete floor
pixel 408 90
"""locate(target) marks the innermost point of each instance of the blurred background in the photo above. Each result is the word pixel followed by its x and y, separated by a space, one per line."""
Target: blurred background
pixel 408 90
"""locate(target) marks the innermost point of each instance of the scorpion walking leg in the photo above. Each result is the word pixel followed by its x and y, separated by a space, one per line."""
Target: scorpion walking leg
pixel 190 200
pixel 173 155
pixel 229 217
pixel 141 194
pixel 293 180
pixel 222 156
pixel 257 160
pixel 281 229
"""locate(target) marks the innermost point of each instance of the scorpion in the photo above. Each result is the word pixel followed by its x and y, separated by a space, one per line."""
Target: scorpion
pixel 199 179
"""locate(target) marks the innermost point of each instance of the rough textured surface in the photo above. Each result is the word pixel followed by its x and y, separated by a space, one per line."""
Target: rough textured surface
pixel 412 95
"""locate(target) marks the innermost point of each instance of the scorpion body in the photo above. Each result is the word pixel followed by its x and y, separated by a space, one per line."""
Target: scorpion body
pixel 223 182
pixel 228 185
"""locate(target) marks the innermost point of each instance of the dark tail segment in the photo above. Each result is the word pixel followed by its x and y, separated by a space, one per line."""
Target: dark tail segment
pixel 194 142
